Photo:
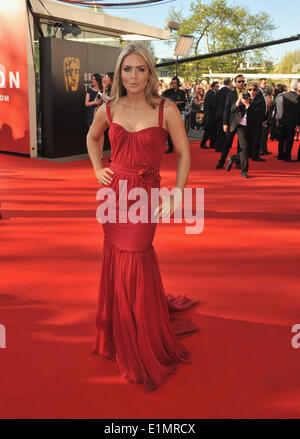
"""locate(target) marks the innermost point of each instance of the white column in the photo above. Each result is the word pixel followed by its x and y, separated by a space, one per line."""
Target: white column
pixel 31 86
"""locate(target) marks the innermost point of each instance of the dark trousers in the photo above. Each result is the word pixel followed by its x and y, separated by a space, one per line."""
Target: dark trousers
pixel 274 131
pixel 221 135
pixel 227 146
pixel 255 141
pixel 245 142
pixel 264 139
pixel 210 134
pixel 286 141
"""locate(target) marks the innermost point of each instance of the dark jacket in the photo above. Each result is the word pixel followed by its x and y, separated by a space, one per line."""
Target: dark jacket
pixel 221 99
pixel 230 110
pixel 210 108
pixel 256 113
pixel 291 109
pixel 178 95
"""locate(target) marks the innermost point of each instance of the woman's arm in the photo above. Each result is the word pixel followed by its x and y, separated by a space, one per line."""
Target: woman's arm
pixel 177 133
pixel 175 128
pixel 87 100
pixel 96 131
pixel 89 103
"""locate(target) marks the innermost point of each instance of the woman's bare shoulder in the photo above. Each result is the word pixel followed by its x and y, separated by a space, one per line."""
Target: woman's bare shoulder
pixel 101 113
pixel 170 108
pixel 102 108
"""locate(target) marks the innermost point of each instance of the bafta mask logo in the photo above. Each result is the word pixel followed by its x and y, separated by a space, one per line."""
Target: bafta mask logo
pixel 71 66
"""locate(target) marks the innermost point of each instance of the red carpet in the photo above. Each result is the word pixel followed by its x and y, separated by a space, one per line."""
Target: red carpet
pixel 244 268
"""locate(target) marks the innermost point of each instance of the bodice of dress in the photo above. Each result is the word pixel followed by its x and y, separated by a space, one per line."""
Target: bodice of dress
pixel 143 147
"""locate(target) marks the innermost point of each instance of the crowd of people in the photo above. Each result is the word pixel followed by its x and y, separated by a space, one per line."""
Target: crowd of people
pixel 253 111
pixel 219 111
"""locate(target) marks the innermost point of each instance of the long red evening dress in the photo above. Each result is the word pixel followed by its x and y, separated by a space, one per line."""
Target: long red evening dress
pixel 134 324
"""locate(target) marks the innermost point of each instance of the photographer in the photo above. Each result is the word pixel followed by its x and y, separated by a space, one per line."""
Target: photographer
pixel 230 118
pixel 250 112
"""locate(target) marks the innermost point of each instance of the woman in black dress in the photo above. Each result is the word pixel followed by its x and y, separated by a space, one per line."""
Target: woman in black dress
pixel 106 84
pixel 93 99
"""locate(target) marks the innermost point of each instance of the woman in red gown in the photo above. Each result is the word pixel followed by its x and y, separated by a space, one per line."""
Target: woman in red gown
pixel 135 325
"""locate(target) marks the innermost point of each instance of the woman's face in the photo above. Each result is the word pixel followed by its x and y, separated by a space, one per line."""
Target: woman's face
pixel 252 91
pixel 107 80
pixel 94 82
pixel 134 73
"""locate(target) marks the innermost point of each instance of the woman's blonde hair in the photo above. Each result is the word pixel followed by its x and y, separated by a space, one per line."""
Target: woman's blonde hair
pixel 118 90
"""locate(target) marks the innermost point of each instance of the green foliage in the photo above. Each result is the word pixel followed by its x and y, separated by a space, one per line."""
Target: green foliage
pixel 220 25
pixel 290 63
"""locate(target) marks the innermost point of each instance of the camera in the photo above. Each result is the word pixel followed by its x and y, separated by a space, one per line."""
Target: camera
pixel 98 95
pixel 246 95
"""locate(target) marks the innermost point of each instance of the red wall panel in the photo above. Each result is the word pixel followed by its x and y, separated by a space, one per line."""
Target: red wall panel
pixel 14 110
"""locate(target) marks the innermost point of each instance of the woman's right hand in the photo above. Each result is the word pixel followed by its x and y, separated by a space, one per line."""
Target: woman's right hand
pixel 103 175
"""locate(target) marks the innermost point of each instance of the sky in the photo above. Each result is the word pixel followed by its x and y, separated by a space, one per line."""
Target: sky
pixel 284 15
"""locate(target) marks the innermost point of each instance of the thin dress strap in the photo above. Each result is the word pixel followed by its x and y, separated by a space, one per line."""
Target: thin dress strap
pixel 161 113
pixel 108 112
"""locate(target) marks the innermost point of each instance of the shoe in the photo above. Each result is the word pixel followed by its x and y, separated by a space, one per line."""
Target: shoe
pixel 229 164
pixel 258 159
pixel 268 153
pixel 244 174
pixel 169 151
pixel 289 160
pixel 220 165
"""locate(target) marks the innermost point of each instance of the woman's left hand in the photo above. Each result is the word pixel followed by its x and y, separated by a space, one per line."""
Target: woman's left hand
pixel 169 205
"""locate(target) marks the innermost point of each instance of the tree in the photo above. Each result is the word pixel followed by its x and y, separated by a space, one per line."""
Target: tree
pixel 290 63
pixel 218 25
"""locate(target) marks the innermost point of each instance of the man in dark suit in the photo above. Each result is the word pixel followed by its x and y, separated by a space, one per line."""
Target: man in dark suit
pixel 210 116
pixel 229 116
pixel 221 98
pixel 248 113
pixel 288 120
